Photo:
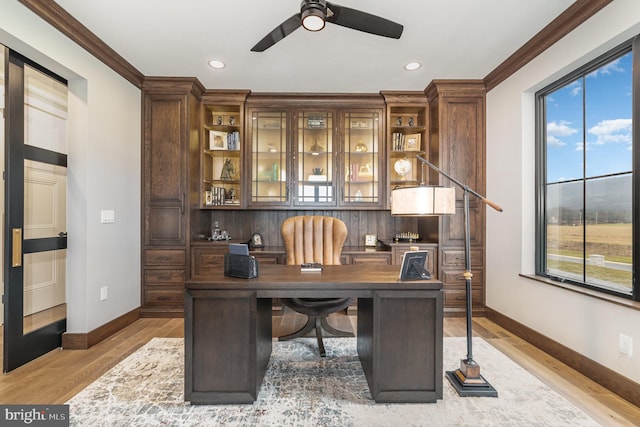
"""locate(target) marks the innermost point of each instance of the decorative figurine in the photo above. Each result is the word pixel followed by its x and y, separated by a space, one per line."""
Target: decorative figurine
pixel 232 120
pixel 410 121
pixel 228 170
pixel 219 120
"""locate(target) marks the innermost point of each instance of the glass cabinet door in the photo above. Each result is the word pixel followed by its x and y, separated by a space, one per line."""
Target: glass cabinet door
pixel 362 158
pixel 315 158
pixel 269 158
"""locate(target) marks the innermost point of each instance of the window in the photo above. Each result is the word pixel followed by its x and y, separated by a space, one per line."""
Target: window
pixel 585 173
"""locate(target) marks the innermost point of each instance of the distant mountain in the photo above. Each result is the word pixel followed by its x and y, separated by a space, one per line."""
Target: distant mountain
pixel 609 201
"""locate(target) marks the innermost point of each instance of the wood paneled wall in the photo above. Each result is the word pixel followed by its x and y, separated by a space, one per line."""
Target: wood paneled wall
pixel 242 223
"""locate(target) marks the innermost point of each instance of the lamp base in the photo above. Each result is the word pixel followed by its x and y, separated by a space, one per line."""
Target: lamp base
pixel 468 382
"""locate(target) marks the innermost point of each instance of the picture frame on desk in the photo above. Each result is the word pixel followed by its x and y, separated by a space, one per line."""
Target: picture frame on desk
pixel 414 266
pixel 371 240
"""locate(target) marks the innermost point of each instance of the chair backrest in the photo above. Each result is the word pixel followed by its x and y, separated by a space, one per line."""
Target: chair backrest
pixel 313 239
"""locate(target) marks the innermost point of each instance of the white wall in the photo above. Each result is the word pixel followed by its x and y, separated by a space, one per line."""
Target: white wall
pixel 587 325
pixel 104 129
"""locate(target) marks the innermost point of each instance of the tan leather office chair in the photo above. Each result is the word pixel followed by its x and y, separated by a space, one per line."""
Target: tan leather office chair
pixel 315 239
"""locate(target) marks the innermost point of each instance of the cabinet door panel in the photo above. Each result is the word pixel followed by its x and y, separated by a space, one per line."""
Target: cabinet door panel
pixel 165 169
pixel 166 152
pixel 362 154
pixel 166 226
pixel 315 171
pixel 269 158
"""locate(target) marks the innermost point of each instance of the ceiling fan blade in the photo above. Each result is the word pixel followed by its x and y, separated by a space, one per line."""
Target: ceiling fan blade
pixel 278 33
pixel 363 21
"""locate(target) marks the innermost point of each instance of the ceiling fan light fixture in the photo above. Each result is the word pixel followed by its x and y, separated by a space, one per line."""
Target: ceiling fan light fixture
pixel 313 14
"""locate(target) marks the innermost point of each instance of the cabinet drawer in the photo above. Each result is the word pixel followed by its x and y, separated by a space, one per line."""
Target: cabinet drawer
pixel 458 298
pixel 163 277
pixel 269 259
pixel 456 277
pixel 206 260
pixel 164 297
pixel 176 257
pixel 383 259
pixel 455 257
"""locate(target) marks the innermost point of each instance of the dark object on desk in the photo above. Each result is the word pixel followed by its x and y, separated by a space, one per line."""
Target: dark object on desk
pixel 328 235
pixel 242 266
pixel 238 249
pixel 413 263
pixel 256 241
pixel 311 266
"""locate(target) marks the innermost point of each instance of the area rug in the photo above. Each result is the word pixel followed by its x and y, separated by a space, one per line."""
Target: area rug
pixel 302 389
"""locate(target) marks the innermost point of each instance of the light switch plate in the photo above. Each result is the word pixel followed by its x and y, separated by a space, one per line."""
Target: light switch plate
pixel 107 216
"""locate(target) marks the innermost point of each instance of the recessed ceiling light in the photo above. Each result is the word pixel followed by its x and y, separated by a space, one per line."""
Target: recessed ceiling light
pixel 412 66
pixel 216 63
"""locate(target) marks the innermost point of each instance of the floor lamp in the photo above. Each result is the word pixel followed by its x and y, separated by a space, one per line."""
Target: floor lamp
pixel 425 200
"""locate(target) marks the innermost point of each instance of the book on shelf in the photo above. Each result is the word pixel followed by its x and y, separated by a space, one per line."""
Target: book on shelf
pixel 233 141
pixel 311 266
pixel 398 139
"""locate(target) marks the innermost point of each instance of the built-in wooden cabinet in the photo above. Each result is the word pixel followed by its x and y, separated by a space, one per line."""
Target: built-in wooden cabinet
pixel 457 146
pixel 407 124
pixel 315 153
pixel 170 139
pixel 293 154
pixel 223 150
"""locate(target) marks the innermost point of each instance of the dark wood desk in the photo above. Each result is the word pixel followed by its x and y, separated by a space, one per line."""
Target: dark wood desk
pixel 228 330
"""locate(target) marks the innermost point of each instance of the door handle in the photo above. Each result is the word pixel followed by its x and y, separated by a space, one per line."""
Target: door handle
pixel 62 234
pixel 16 256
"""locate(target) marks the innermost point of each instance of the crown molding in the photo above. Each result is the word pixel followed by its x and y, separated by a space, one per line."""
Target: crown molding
pixel 567 21
pixel 61 20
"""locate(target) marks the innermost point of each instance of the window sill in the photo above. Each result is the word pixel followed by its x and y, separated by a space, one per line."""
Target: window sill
pixel 628 303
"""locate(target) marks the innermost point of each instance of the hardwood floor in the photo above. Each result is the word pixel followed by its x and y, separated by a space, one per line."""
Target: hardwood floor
pixel 60 374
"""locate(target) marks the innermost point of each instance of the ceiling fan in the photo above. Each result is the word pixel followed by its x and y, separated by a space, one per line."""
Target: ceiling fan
pixel 313 15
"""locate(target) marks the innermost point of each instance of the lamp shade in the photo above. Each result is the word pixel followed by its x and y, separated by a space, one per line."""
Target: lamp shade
pixel 423 201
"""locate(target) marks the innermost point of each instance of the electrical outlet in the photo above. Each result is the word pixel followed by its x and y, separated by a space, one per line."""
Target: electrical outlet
pixel 103 293
pixel 626 345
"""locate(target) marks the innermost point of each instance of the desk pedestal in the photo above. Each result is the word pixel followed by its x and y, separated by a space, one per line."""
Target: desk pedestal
pixel 228 344
pixel 400 345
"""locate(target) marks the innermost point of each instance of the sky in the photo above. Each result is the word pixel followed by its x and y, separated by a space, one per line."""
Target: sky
pixel 603 128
